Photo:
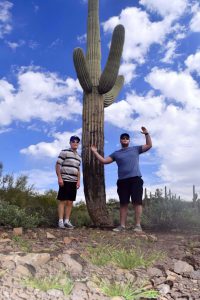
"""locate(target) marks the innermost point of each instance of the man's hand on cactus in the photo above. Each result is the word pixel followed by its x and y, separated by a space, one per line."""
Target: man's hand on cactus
pixel 94 148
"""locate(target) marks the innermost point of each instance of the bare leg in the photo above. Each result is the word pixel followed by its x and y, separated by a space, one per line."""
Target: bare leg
pixel 68 209
pixel 138 213
pixel 61 208
pixel 123 214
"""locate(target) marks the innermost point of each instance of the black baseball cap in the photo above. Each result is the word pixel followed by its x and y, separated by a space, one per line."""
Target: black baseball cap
pixel 74 138
pixel 123 135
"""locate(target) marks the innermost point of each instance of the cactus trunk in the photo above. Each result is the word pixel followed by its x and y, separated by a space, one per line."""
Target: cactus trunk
pixel 93 170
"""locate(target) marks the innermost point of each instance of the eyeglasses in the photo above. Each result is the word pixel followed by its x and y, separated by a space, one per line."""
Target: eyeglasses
pixel 125 138
pixel 75 142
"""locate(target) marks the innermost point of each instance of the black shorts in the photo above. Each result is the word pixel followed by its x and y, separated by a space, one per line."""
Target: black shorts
pixel 130 187
pixel 67 191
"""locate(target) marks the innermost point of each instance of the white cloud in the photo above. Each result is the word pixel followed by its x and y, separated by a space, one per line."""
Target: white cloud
pixel 56 43
pixel 170 52
pixel 195 22
pixel 82 38
pixel 128 70
pixel 42 180
pixel 165 8
pixel 44 149
pixel 5 18
pixel 15 45
pixel 141 33
pixel 147 107
pixel 180 87
pixel 193 62
pixel 40 95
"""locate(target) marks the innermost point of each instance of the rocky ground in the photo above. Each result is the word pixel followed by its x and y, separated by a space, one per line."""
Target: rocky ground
pixel 59 254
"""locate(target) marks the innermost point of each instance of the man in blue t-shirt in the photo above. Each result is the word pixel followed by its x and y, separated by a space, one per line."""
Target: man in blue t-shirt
pixel 130 183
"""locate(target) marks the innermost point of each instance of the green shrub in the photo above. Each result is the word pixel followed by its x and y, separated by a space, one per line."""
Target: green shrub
pixel 170 214
pixel 12 215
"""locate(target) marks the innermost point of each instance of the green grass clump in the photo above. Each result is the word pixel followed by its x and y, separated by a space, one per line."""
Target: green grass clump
pixel 128 291
pixel 44 284
pixel 131 259
pixel 99 256
pixel 125 259
pixel 21 243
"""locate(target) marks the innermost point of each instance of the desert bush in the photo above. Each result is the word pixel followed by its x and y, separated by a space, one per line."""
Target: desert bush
pixel 170 214
pixel 14 216
pixel 16 192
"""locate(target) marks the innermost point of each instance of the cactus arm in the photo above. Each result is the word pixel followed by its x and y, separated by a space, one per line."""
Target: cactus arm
pixel 110 97
pixel 82 70
pixel 109 75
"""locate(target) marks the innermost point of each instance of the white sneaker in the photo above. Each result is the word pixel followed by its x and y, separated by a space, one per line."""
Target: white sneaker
pixel 61 225
pixel 68 225
pixel 137 228
pixel 119 228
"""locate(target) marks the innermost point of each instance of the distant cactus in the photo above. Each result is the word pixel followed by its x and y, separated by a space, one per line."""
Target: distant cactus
pixel 100 90
pixel 195 196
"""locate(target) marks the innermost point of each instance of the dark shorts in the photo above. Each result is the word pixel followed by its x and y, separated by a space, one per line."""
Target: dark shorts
pixel 130 188
pixel 67 191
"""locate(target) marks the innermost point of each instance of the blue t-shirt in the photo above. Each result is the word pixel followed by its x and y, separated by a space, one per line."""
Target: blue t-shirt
pixel 127 160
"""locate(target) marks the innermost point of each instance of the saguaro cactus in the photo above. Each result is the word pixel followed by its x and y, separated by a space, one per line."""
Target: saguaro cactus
pixel 99 91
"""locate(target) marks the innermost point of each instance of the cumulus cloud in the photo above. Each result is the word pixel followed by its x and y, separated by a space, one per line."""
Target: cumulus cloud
pixel 147 107
pixel 52 149
pixel 195 22
pixel 193 62
pixel 170 52
pixel 137 21
pixel 39 95
pixel 179 86
pixel 165 8
pixel 15 45
pixel 82 38
pixel 5 18
pixel 128 70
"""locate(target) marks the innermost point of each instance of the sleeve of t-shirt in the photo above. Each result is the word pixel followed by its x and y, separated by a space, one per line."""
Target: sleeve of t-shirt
pixel 139 149
pixel 61 157
pixel 112 156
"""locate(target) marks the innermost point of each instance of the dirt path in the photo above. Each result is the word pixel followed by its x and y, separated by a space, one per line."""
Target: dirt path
pixel 54 253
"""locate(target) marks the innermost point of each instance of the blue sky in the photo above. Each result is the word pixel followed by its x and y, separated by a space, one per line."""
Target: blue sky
pixel 41 99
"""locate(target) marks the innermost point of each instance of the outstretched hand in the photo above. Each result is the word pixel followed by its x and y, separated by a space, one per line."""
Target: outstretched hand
pixel 144 130
pixel 94 148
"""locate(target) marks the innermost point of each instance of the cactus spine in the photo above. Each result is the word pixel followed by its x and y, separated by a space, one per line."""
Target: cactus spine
pixel 100 90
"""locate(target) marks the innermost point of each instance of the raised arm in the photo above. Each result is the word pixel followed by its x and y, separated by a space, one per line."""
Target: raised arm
pixel 148 144
pixel 103 160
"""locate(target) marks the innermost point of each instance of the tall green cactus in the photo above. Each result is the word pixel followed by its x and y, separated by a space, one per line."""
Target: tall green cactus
pixel 100 91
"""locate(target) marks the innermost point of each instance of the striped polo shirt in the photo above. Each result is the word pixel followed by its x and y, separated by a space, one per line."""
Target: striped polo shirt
pixel 70 164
